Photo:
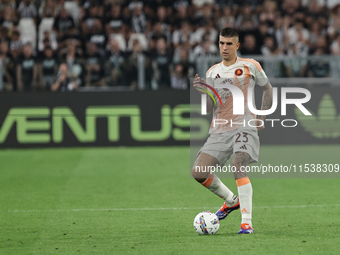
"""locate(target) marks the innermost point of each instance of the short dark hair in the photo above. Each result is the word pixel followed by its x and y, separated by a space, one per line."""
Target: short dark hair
pixel 229 32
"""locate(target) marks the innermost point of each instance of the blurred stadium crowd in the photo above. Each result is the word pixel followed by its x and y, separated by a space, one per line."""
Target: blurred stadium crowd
pixel 62 45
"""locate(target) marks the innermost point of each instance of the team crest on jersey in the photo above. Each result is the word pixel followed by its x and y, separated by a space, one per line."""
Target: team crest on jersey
pixel 238 72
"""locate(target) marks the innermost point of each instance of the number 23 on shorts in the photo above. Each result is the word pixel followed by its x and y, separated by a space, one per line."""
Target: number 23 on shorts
pixel 241 137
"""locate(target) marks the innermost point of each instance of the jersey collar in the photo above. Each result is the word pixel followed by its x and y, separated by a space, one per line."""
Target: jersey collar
pixel 237 59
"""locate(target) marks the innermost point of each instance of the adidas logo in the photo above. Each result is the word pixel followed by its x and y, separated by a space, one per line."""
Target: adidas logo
pixel 217 76
pixel 243 147
pixel 244 210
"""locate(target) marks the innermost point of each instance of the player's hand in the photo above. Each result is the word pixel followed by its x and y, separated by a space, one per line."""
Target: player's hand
pixel 258 124
pixel 198 83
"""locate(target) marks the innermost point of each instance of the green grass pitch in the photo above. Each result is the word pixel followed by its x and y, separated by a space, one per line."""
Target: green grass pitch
pixel 143 201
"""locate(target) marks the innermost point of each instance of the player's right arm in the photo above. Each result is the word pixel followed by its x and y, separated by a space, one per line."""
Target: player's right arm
pixel 199 85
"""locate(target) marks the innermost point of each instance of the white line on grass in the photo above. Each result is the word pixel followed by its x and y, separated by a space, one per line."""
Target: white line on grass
pixel 169 208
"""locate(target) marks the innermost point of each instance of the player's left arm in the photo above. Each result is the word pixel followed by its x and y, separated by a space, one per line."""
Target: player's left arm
pixel 262 80
pixel 267 99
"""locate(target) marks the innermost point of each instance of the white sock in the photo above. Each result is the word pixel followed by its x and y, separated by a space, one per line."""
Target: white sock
pixel 245 193
pixel 214 184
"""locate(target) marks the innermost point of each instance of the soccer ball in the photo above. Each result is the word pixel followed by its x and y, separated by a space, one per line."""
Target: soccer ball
pixel 206 223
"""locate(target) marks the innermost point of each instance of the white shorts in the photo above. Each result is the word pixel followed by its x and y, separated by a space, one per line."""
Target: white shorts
pixel 223 145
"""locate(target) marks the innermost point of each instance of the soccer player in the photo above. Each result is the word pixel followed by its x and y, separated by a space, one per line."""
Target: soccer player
pixel 233 136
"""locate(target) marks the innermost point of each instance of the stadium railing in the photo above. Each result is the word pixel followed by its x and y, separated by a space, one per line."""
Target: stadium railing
pixel 275 69
pixel 273 66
